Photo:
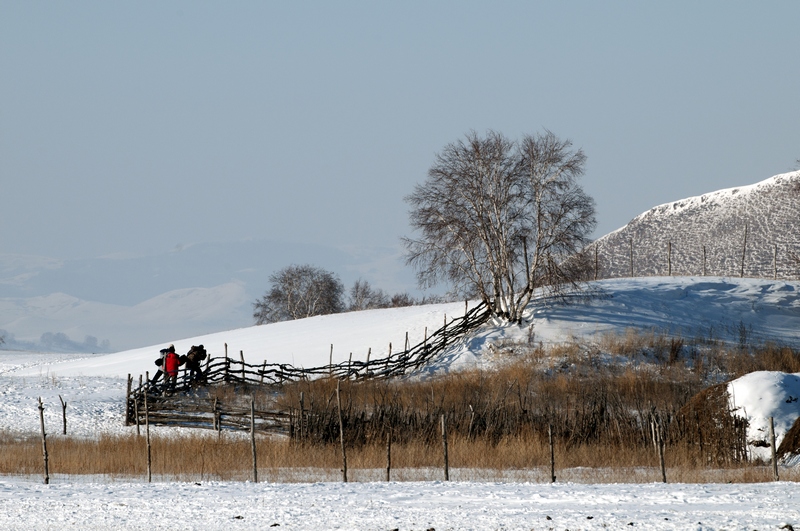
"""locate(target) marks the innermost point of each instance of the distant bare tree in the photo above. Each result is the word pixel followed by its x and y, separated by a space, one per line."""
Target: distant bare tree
pixel 500 219
pixel 299 291
pixel 364 297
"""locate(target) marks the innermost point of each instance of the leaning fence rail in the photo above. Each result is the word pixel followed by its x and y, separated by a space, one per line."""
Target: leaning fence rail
pixel 172 405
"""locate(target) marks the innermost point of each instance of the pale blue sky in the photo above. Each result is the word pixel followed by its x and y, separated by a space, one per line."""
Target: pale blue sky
pixel 133 127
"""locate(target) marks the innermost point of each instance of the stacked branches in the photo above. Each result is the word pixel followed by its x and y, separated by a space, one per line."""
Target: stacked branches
pixel 500 219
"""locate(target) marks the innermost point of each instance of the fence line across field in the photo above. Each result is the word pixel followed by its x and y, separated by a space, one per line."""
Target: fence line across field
pixel 179 410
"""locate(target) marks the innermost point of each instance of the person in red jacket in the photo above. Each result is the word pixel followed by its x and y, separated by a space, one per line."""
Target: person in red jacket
pixel 171 363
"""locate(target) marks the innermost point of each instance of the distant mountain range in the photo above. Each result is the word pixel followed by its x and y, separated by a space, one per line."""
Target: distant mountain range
pixel 116 303
pixel 750 231
pixel 110 304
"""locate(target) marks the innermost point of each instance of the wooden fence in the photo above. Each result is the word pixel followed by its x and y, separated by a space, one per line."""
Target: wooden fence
pixel 188 404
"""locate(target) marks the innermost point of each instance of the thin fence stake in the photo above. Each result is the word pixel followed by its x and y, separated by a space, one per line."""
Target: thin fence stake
pixel 341 432
pixel 128 401
pixel 444 445
pixel 44 444
pixel 147 434
pixel 253 437
pixel 63 413
pixel 389 454
pixel 772 447
pixel 136 407
pixel 552 453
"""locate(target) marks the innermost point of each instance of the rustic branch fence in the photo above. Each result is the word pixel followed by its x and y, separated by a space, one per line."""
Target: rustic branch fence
pixel 178 406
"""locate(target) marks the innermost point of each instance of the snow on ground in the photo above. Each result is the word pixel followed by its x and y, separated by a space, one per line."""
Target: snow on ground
pixel 436 505
pixel 94 389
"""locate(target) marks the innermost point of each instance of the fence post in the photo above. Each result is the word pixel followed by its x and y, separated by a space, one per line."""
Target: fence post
pixel 330 362
pixel 241 356
pixel 704 260
pixel 127 404
pixel 669 259
pixel 388 454
pixel 444 445
pixel 631 241
pixel 302 413
pixel 253 437
pixel 552 453
pixel 595 262
pixel 64 413
pixel 44 443
pixel 744 250
pixel 341 432
pixel 147 433
pixel 136 407
pixel 775 262
pixel 772 447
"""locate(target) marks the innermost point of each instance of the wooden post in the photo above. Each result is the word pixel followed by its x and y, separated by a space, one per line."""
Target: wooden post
pixel 704 260
pixel 341 432
pixel 444 445
pixel 44 444
pixel 369 353
pixel 64 413
pixel 669 259
pixel 263 370
pixel 389 455
pixel 658 442
pixel 631 241
pixel 227 363
pixel 744 250
pixel 136 407
pixel 241 356
pixel 302 414
pixel 253 437
pixel 147 435
pixel 349 365
pixel 330 362
pixel 217 422
pixel 775 262
pixel 772 447
pixel 127 403
pixel 552 454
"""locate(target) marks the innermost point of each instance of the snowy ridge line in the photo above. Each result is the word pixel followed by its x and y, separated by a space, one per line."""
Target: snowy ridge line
pixel 747 231
pixel 172 409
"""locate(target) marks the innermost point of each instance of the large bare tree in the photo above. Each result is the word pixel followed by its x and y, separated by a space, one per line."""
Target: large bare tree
pixel 299 291
pixel 499 219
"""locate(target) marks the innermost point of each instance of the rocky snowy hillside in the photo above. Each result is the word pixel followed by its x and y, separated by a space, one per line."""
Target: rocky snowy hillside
pixel 751 231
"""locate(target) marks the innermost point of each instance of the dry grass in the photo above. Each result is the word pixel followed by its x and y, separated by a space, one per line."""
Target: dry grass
pixel 598 406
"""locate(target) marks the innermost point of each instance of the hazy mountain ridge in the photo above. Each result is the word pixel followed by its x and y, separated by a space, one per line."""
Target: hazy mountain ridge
pixel 114 303
pixel 706 235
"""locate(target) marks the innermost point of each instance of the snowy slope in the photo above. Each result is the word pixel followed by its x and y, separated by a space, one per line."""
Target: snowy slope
pixel 693 307
pixel 713 226
pixel 94 387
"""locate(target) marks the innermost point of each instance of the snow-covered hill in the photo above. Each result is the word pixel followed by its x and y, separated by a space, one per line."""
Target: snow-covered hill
pixel 700 307
pixel 753 229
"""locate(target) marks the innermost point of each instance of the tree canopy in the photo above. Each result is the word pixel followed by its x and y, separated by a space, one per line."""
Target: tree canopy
pixel 499 219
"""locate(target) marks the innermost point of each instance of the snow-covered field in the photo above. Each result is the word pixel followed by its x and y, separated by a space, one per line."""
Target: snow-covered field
pixel 94 385
pixel 383 506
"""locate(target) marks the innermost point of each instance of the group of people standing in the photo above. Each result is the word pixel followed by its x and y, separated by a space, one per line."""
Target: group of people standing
pixel 170 362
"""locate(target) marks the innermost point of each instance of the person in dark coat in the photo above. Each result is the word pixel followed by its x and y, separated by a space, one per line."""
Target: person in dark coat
pixel 193 358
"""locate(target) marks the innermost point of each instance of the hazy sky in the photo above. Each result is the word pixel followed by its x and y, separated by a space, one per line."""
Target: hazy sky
pixel 132 127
